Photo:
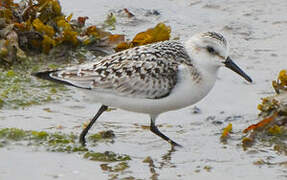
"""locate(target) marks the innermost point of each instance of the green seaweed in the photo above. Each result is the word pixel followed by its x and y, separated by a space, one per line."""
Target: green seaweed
pixel 58 142
pixel 107 156
pixel 12 134
pixel 18 89
pixel 39 135
pixel 102 135
pixel 110 21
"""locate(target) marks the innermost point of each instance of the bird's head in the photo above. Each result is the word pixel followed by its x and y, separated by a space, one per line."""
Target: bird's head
pixel 210 50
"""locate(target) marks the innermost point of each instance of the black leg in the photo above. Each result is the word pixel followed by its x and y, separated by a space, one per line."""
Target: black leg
pixel 155 130
pixel 102 109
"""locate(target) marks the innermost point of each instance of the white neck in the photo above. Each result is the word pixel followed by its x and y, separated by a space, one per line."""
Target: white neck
pixel 200 59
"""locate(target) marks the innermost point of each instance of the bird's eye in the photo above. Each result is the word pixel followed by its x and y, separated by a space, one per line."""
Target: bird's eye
pixel 210 50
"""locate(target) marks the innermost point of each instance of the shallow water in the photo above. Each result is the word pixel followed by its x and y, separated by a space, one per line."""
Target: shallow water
pixel 256 31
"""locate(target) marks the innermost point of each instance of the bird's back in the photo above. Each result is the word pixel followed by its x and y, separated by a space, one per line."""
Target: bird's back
pixel 143 72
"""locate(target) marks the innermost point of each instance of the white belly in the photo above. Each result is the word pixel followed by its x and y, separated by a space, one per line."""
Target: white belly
pixel 185 93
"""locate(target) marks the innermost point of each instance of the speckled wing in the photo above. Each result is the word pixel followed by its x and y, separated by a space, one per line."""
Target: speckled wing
pixel 143 72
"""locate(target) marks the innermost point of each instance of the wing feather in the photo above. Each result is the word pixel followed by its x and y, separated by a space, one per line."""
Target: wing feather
pixel 142 72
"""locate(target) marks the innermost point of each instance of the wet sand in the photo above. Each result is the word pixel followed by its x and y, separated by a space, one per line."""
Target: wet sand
pixel 256 31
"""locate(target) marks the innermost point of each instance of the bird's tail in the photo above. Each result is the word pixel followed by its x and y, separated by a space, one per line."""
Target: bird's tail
pixel 46 75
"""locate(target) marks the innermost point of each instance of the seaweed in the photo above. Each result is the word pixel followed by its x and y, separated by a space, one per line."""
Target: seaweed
pixel 19 90
pixel 38 26
pixel 225 133
pixel 58 142
pixel 160 32
pixel 107 156
pixel 273 114
pixel 102 135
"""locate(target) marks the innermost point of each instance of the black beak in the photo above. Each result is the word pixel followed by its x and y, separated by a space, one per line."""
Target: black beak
pixel 231 65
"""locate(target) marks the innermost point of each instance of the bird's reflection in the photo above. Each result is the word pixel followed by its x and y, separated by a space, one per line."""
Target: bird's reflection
pixel 164 162
pixel 166 158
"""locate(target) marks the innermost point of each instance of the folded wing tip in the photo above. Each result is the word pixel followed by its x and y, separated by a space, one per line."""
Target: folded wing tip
pixel 46 75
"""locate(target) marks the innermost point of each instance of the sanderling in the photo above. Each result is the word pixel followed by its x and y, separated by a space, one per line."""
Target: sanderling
pixel 151 79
